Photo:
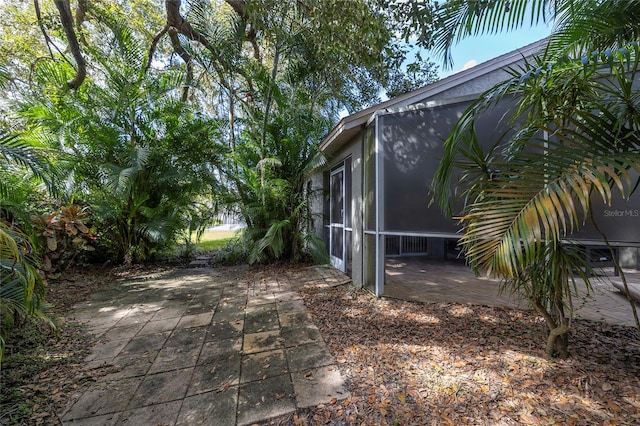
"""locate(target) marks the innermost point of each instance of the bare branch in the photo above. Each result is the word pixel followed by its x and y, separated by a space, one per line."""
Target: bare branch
pixel 36 5
pixel 186 57
pixel 64 9
pixel 154 45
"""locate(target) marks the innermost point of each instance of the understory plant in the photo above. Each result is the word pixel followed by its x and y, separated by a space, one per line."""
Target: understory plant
pixel 575 141
pixel 65 235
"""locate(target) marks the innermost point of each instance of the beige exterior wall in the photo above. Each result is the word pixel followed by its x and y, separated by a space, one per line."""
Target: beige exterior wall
pixel 352 149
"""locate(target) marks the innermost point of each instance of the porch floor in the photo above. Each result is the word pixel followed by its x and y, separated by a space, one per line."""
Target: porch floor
pixel 431 280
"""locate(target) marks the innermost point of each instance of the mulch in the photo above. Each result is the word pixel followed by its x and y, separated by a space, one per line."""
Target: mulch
pixel 409 363
pixel 405 363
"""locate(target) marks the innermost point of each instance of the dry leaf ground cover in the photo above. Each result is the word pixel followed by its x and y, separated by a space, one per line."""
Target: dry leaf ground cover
pixel 421 364
pixel 41 368
pixel 405 363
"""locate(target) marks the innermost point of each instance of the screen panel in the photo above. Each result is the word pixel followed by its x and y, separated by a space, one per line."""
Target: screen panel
pixel 413 146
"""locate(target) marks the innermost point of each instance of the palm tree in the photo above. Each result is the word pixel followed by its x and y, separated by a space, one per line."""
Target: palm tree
pixel 141 155
pixel 576 138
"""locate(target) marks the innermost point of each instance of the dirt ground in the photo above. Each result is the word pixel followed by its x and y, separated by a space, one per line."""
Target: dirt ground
pixel 406 363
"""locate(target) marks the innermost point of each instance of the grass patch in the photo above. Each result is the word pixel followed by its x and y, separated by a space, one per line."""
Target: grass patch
pixel 214 240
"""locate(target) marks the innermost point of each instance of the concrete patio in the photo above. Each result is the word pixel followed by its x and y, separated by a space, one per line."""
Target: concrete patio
pixel 205 346
pixel 423 279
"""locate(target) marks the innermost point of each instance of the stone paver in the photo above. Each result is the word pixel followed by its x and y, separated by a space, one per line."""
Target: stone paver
pixel 196 347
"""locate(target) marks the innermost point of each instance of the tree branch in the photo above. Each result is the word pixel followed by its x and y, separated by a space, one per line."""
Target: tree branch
pixel 251 35
pixel 154 45
pixel 36 5
pixel 186 57
pixel 67 23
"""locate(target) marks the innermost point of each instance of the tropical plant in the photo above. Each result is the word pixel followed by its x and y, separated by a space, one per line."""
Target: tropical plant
pixel 65 234
pixel 270 168
pixel 575 139
pixel 22 285
pixel 141 155
pixel 578 26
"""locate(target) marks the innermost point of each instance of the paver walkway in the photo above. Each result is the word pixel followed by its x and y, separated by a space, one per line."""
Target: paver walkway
pixel 205 346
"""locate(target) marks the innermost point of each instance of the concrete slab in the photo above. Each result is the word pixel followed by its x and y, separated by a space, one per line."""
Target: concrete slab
pixel 262 299
pixel 135 318
pixel 219 375
pixel 169 312
pixel 221 330
pixel 261 318
pixel 294 319
pixel 308 356
pixel 106 398
pixel 160 414
pixel 126 366
pixel 210 408
pixel 634 288
pixel 219 349
pixel 158 326
pixel 265 399
pixel 104 420
pixel 187 336
pixel 106 350
pixel 287 296
pixel 200 347
pixel 119 333
pixel 301 335
pixel 316 386
pixel 263 365
pixel 196 320
pixel 144 343
pixel 264 341
pixel 228 314
pixel 175 358
pixel 197 308
pixel 161 388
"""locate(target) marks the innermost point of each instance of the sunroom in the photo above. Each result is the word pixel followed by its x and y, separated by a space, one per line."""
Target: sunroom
pixel 376 200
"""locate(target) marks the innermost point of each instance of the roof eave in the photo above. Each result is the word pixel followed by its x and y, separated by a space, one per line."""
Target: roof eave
pixel 360 118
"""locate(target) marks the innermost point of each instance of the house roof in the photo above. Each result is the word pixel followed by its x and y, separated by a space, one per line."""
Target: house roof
pixel 350 125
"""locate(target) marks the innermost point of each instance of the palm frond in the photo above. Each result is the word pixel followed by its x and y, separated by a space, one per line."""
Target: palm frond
pixel 529 191
pixel 459 19
pixel 21 285
pixel 17 150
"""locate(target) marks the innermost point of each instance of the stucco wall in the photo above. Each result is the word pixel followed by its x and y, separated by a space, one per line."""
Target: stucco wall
pixel 351 149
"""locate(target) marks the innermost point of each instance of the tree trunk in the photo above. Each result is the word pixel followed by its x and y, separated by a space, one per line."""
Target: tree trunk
pixel 558 341
pixel 67 24
pixel 557 332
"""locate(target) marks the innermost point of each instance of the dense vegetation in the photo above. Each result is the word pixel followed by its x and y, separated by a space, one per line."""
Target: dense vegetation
pixel 128 126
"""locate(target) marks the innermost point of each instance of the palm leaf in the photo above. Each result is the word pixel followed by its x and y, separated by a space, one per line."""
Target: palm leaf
pixel 545 186
pixel 21 152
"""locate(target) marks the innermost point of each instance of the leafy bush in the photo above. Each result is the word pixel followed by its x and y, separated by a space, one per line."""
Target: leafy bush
pixel 65 235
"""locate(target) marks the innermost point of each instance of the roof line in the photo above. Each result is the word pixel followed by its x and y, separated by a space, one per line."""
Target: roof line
pixel 361 117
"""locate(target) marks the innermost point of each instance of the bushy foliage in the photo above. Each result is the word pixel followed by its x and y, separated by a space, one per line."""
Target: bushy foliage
pixel 140 156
